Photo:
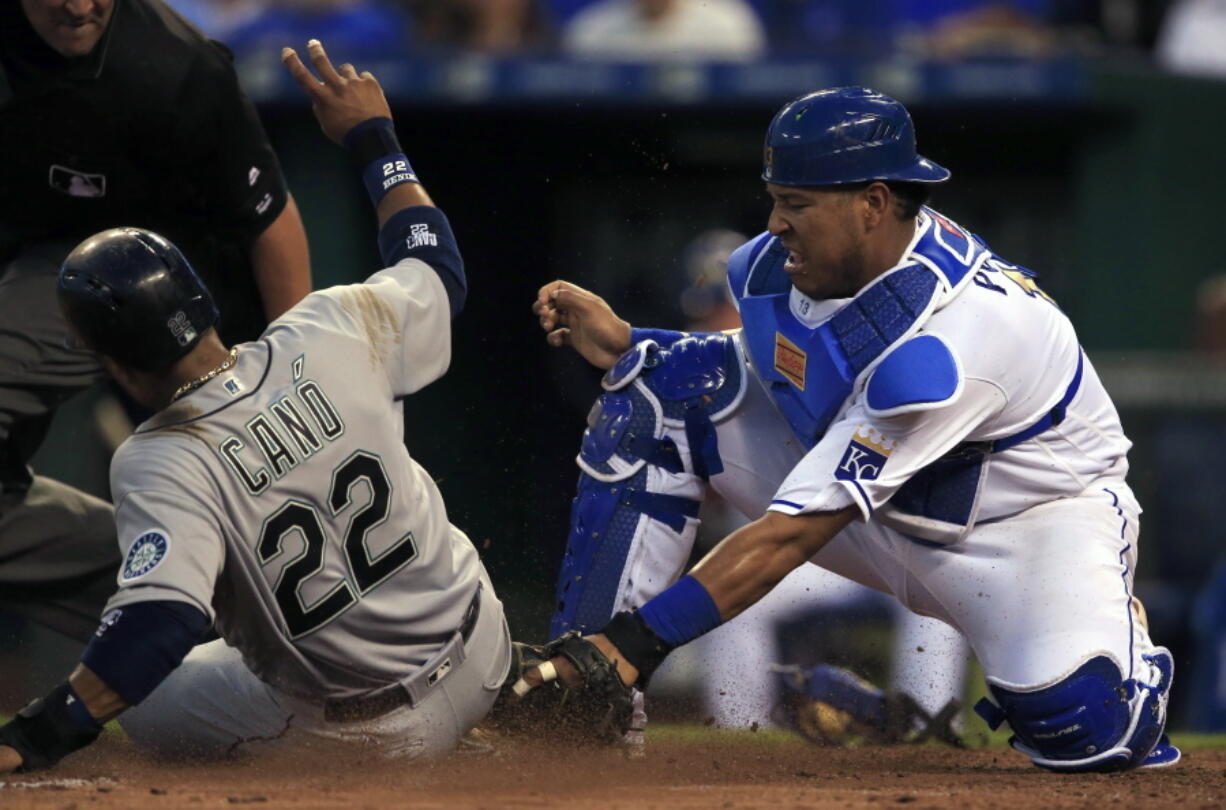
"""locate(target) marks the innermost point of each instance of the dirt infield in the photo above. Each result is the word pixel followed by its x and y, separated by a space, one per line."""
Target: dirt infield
pixel 715 771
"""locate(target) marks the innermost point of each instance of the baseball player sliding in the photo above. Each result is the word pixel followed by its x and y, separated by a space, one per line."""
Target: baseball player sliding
pixel 271 497
pixel 903 407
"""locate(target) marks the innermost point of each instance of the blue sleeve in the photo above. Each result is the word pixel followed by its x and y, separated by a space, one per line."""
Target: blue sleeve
pixel 664 337
pixel 422 232
pixel 138 645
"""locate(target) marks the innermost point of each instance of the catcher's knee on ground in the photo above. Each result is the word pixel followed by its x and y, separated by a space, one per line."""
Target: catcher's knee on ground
pixel 649 447
pixel 1094 719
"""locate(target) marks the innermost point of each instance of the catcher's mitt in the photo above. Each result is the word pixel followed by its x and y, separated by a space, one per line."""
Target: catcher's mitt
pixel 831 706
pixel 598 711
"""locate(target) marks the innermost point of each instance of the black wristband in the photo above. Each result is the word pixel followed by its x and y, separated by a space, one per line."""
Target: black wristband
pixel 49 729
pixel 640 645
pixel 371 140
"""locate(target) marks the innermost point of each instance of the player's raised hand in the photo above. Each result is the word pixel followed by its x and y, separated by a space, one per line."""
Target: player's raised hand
pixel 342 98
pixel 574 317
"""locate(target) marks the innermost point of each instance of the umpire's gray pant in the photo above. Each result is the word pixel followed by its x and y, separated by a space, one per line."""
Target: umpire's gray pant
pixel 58 553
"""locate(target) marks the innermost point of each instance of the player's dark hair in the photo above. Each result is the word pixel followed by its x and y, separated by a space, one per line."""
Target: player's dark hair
pixel 909 198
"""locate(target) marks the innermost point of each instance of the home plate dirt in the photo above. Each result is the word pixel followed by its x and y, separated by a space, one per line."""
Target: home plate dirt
pixel 715 771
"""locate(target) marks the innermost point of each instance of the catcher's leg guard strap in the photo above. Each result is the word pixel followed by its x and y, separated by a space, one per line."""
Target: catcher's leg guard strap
pixel 606 522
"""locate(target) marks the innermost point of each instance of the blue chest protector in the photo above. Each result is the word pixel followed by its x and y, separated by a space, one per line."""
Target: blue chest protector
pixel 810 372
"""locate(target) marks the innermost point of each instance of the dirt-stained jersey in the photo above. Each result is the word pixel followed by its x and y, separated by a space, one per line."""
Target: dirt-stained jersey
pixel 279 498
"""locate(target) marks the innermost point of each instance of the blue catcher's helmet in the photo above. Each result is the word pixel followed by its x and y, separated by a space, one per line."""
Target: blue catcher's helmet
pixel 131 295
pixel 844 135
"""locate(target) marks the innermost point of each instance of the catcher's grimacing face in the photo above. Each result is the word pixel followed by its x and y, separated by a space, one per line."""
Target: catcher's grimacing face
pixel 821 231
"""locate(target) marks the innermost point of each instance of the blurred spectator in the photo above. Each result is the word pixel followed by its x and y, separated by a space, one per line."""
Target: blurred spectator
pixel 220 18
pixel 929 28
pixel 954 28
pixel 666 30
pixel 487 26
pixel 706 301
pixel 354 29
pixel 1211 316
pixel 1184 593
pixel 1193 38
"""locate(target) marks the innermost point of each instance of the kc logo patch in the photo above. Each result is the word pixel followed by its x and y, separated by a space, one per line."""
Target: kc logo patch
pixel 145 554
pixel 866 455
pixel 790 360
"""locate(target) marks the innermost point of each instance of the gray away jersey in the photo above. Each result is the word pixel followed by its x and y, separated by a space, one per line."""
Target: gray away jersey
pixel 279 498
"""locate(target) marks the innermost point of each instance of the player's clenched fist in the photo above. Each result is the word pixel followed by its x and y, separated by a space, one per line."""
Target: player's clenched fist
pixel 573 316
pixel 342 98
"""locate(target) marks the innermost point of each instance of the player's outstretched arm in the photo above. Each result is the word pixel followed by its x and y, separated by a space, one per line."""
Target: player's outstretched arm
pixel 68 718
pixel 572 316
pixel 130 654
pixel 738 572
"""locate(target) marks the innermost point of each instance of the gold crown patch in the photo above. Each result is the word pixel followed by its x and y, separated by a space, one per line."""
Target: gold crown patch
pixel 874 440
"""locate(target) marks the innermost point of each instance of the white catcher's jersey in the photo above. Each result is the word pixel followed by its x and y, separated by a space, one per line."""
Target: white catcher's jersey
pixel 1017 354
pixel 279 498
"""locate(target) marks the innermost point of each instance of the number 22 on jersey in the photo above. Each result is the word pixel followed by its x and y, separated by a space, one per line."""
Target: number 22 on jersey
pixel 365 571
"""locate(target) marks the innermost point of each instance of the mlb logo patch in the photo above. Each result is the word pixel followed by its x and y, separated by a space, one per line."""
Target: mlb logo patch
pixel 76 184
pixel 866 454
pixel 181 328
pixel 790 360
pixel 145 554
pixel 437 675
pixel 233 386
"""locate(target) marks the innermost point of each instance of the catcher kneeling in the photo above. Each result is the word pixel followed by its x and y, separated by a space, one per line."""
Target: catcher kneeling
pixel 903 407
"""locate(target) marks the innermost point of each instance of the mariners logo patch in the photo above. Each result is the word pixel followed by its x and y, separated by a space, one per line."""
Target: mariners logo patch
pixel 866 455
pixel 790 360
pixel 145 554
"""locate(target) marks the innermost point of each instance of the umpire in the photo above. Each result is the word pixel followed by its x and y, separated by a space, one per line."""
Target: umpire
pixel 114 112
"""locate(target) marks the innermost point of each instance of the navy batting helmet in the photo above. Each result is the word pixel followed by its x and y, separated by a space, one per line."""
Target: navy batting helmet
pixel 844 135
pixel 131 295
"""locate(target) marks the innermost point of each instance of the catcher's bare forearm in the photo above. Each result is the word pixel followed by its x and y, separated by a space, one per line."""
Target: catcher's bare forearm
pixel 751 561
pixel 738 572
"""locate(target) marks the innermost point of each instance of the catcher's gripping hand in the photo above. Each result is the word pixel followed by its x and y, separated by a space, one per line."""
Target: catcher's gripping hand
pixel 590 704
